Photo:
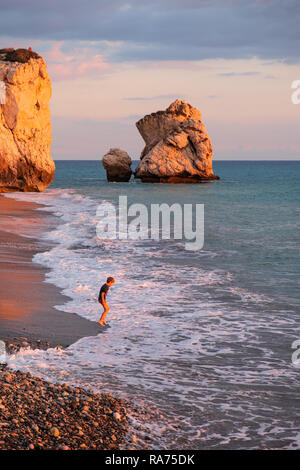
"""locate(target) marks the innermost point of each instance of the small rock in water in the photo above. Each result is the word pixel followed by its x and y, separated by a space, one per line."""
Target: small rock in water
pixel 117 164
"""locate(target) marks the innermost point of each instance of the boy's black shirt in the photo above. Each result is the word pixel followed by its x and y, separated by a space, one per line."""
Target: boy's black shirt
pixel 105 289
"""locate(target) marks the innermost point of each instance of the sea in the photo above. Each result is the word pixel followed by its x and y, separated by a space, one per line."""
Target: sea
pixel 202 343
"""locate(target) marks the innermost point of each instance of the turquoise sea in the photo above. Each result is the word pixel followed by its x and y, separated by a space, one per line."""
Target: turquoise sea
pixel 199 340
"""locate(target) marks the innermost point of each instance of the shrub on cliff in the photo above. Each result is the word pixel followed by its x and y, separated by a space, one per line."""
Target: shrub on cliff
pixel 18 55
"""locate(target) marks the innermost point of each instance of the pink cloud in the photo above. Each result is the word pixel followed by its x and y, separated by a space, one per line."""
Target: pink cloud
pixel 81 63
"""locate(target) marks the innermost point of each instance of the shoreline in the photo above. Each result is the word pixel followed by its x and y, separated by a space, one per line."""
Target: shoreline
pixel 27 313
pixel 72 418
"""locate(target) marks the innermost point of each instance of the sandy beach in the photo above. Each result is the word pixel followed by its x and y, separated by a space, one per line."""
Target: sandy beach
pixel 27 315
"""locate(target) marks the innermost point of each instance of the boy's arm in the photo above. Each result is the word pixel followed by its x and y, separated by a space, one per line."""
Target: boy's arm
pixel 103 298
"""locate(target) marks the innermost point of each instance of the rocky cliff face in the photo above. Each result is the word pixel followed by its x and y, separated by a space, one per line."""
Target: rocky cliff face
pixel 25 128
pixel 178 147
pixel 117 164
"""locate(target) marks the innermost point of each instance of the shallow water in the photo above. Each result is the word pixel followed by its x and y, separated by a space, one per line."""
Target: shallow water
pixel 200 339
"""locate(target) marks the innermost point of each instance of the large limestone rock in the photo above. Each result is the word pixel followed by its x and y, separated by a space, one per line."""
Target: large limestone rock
pixel 25 128
pixel 117 164
pixel 178 148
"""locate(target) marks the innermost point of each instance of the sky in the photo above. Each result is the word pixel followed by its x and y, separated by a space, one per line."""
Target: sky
pixel 112 61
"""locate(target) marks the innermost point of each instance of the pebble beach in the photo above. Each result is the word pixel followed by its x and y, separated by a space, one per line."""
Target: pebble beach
pixel 36 415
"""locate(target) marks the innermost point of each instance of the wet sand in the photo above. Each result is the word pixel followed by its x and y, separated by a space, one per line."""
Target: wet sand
pixel 26 301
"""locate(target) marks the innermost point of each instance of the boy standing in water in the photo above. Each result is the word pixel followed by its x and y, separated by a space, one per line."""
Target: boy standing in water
pixel 102 299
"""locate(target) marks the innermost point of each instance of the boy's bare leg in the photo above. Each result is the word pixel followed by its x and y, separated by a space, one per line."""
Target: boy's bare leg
pixel 102 321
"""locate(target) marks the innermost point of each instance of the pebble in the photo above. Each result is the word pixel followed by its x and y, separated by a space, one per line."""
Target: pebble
pixel 8 377
pixel 117 416
pixel 54 432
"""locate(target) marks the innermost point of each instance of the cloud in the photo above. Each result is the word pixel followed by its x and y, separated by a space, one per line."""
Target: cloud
pixel 270 77
pixel 162 29
pixel 238 74
pixel 80 63
pixel 152 98
pixel 131 117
